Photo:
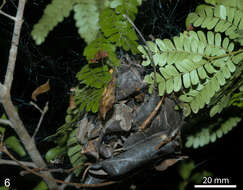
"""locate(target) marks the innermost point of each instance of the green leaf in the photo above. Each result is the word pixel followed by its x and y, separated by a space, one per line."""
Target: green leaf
pixel 13 143
pixel 217 40
pixel 209 68
pixel 213 137
pixel 117 29
pixel 186 80
pixel 54 13
pixel 41 186
pixel 194 77
pixel 76 157
pixel 74 149
pixel 194 106
pixel 225 43
pixel 169 86
pixel 185 98
pixel 162 88
pixel 201 72
pixel 221 17
pixel 186 110
pixel 2 131
pixel 53 153
pixel 3 116
pixel 185 169
pixel 222 12
pixel 178 41
pixel 88 96
pixel 182 185
pixel 94 76
pixel 4 188
pixel 148 79
pixel 210 37
pixel 196 143
pixel 231 66
pixel 220 78
pixel 197 177
pixel 101 43
pixel 238 58
pixel 189 142
pixel 212 132
pixel 87 23
pixel 177 83
pixel 161 45
pixel 196 63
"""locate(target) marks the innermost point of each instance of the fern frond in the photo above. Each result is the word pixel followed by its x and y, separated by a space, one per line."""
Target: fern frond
pixel 115 3
pixel 101 43
pixel 54 13
pixel 227 18
pixel 118 30
pixel 233 3
pixel 211 133
pixel 221 104
pixel 193 61
pixel 94 76
pixel 77 159
pixel 86 15
pixel 190 57
pixel 228 95
pixel 88 98
pixel 128 7
pixel 237 99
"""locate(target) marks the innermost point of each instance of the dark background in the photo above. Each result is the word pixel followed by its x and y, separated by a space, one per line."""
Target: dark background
pixel 60 58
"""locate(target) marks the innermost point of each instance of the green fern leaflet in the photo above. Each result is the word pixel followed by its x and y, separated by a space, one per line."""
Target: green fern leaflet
pixel 211 133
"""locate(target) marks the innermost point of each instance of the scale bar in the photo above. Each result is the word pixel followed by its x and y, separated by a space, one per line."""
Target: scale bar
pixel 215 186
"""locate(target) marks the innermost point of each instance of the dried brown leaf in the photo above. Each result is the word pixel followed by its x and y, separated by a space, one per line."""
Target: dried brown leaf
pixel 72 104
pixel 169 162
pixel 108 97
pixel 40 90
pixel 165 164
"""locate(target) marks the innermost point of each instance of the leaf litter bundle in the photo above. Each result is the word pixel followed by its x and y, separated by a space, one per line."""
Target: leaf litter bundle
pixel 118 144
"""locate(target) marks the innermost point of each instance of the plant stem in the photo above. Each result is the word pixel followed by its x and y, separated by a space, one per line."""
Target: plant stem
pixel 150 54
pixel 224 55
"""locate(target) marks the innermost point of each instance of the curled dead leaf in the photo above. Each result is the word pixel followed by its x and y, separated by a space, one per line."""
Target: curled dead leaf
pixel 169 162
pixel 139 98
pixel 72 104
pixel 40 90
pixel 108 97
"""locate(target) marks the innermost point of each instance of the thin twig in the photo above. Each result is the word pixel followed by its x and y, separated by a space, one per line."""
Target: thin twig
pixel 86 170
pixel 36 106
pixel 166 141
pixel 6 122
pixel 14 46
pixel 11 162
pixel 78 185
pixel 7 15
pixel 74 168
pixel 8 104
pixel 150 117
pixel 43 112
pixel 150 54
pixel 3 3
pixel 56 170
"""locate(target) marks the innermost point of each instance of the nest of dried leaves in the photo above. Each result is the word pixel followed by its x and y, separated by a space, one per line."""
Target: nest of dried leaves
pixel 134 130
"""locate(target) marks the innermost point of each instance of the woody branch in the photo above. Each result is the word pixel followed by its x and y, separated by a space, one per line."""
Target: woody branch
pixel 5 99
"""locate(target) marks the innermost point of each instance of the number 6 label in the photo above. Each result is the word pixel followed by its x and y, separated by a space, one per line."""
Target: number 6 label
pixel 7 182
